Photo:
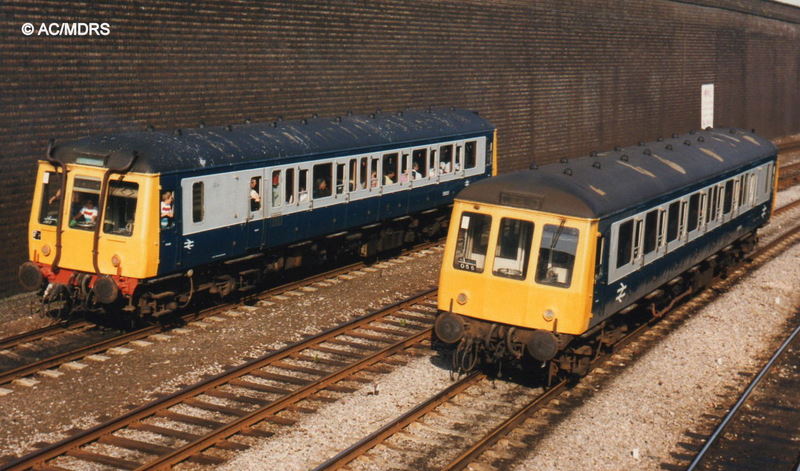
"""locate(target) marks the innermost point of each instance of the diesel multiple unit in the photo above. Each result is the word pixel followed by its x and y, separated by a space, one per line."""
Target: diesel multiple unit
pixel 538 260
pixel 142 222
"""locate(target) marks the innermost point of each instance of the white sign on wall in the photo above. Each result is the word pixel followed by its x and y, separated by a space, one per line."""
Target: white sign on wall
pixel 707 106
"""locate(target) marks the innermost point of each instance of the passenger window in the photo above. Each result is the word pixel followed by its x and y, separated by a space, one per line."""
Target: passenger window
pixel 51 198
pixel 650 231
pixel 390 169
pixel 276 188
pixel 322 180
pixel 340 179
pixel 405 169
pixel 673 218
pixel 637 238
pixel 197 202
pixel 694 212
pixel 353 180
pixel 302 185
pixel 713 204
pixel 624 243
pixel 727 199
pixel 363 174
pixel 167 209
pixel 255 194
pixel 513 249
pixel 121 208
pixel 557 255
pixel 473 239
pixel 83 209
pixel 289 192
pixel 419 164
pixel 470 158
pixel 374 174
pixel 458 163
pixel 433 171
pixel 446 159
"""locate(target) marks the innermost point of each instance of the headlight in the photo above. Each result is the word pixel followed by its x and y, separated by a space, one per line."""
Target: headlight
pixel 549 315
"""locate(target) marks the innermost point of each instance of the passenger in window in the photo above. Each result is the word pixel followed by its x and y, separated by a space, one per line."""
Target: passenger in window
pixel 167 210
pixel 87 216
pixel 390 178
pixel 276 189
pixel 321 188
pixel 55 197
pixel 373 181
pixel 415 175
pixel 255 197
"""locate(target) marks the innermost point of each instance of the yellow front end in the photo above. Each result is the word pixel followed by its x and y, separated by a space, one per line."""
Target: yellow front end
pixel 514 267
pixel 128 239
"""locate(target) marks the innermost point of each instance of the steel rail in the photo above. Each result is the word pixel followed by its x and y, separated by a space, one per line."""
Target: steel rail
pixel 380 435
pixel 194 448
pixel 36 334
pixel 735 409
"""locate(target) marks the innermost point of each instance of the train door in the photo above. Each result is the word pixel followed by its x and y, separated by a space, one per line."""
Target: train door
pixel 252 196
pixel 169 236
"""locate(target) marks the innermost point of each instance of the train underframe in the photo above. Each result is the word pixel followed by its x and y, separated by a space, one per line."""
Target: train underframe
pixel 65 293
pixel 483 343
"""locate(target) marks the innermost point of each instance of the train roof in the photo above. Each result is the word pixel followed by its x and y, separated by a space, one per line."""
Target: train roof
pixel 601 185
pixel 209 147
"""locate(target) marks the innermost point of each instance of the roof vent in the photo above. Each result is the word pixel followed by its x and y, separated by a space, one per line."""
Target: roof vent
pixel 660 139
pixel 647 151
pixel 668 147
pixel 150 127
pixel 708 128
pixel 568 171
pixel 430 109
pixel 701 139
pixel 596 164
pixel 338 119
pixel 533 166
pixel 733 131
pixel 399 113
pixel 562 160
pixel 372 115
pixel 229 127
pixel 315 115
pixel 305 121
pixel 692 131
pixel 349 112
pixel 247 121
pixel 617 148
pixel 641 143
pixel 274 124
pixel 687 142
pixel 623 157
pixel 593 153
pixel 202 124
pixel 674 135
pixel 178 132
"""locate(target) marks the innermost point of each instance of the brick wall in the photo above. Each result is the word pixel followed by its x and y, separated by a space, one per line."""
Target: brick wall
pixel 557 78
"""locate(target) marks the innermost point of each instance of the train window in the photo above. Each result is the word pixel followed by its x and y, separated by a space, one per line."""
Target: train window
pixel 446 159
pixel 470 160
pixel 302 185
pixel 353 182
pixel 340 179
pixel 167 209
pixel 374 173
pixel 254 195
pixel 624 243
pixel 322 180
pixel 197 202
pixel 419 164
pixel 650 231
pixel 390 168
pixel 51 196
pixel 276 188
pixel 121 208
pixel 513 249
pixel 557 255
pixel 458 163
pixel 694 209
pixel 83 208
pixel 433 163
pixel 673 218
pixel 405 168
pixel 363 173
pixel 473 239
pixel 289 192
pixel 727 199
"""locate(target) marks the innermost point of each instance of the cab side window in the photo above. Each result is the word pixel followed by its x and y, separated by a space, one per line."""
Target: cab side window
pixel 472 242
pixel 51 196
pixel 513 249
pixel 557 255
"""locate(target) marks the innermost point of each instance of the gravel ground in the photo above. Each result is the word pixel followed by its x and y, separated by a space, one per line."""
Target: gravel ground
pixel 635 421
pixel 79 399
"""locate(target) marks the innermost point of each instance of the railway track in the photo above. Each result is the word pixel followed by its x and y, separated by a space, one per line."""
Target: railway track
pixel 401 439
pixel 252 400
pixel 762 428
pixel 25 370
pixel 788 175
